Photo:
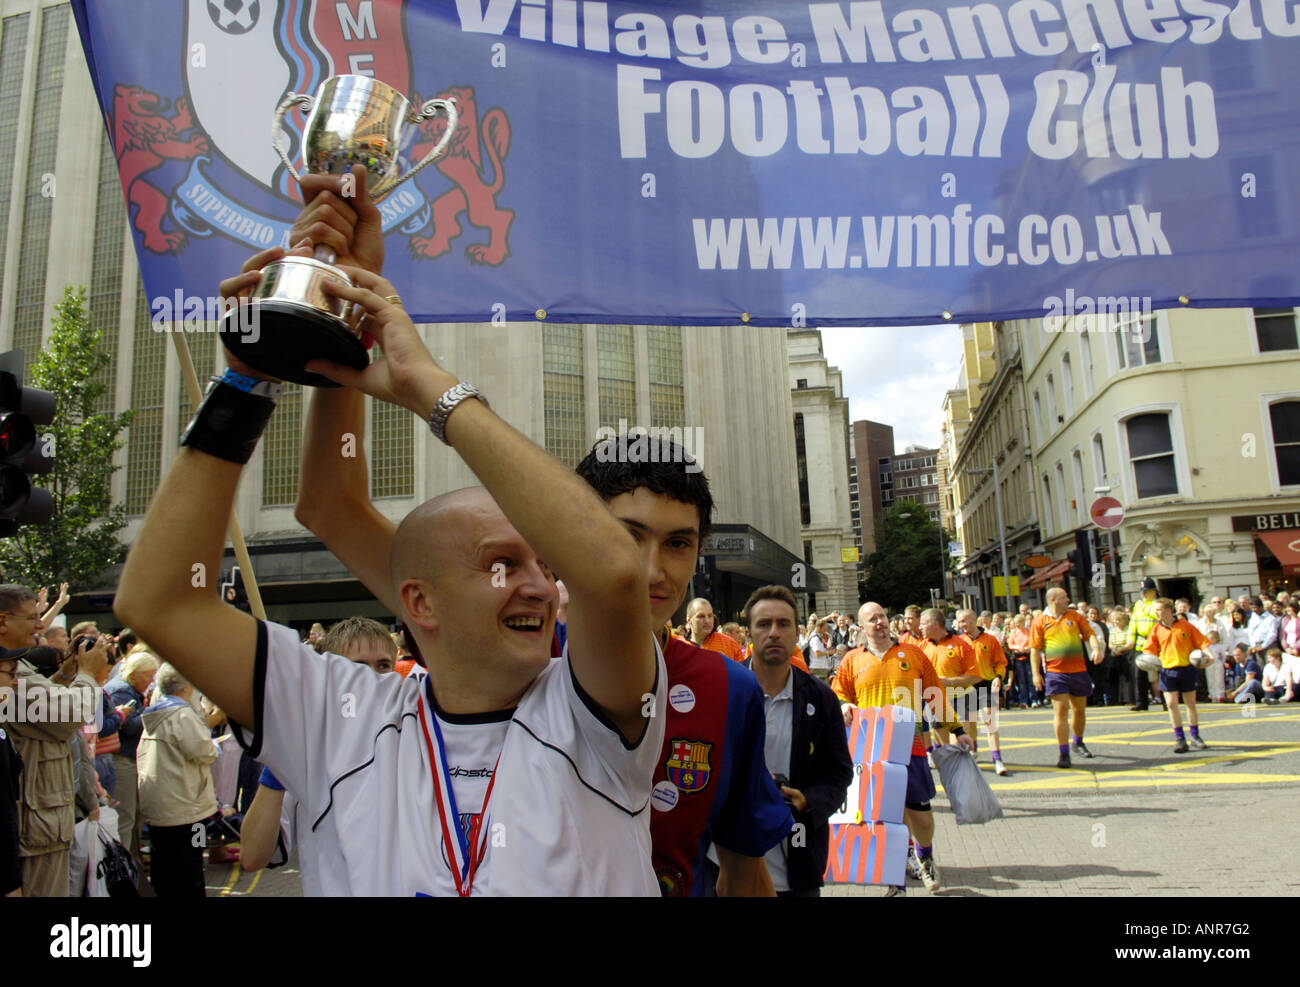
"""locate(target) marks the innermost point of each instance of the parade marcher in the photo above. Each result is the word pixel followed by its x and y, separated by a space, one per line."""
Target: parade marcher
pixel 805 749
pixel 705 633
pixel 522 775
pixel 710 780
pixel 881 672
pixel 991 662
pixel 911 633
pixel 1172 640
pixel 953 660
pixel 1058 635
pixel 1145 615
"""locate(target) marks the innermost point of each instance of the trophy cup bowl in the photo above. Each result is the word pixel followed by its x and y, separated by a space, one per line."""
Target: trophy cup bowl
pixel 352 119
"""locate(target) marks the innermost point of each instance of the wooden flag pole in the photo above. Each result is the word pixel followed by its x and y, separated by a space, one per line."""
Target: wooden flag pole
pixel 236 535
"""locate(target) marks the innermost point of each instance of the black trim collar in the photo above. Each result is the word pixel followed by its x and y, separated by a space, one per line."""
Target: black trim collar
pixel 491 716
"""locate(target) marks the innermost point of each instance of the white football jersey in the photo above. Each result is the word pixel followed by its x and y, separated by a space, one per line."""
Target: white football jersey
pixel 569 811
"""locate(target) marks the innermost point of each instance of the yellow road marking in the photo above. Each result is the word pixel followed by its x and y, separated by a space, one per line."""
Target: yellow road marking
pixel 1135 779
pixel 234 879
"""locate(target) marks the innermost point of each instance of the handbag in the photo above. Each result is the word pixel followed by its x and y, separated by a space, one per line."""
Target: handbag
pixel 117 868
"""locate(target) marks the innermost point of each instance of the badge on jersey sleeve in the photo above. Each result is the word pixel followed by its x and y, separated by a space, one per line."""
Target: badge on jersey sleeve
pixel 688 765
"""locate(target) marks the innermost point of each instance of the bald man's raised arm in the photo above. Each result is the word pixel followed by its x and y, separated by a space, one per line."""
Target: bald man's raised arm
pixel 334 492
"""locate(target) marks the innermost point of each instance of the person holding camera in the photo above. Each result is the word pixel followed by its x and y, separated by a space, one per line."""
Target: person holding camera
pixel 134 679
pixel 46 809
pixel 806 747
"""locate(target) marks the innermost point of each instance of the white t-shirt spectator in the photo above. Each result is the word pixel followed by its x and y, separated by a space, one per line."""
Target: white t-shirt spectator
pixel 821 657
pixel 570 805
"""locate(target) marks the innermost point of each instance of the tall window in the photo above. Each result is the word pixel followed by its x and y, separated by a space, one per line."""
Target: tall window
pixel 1051 405
pixel 1151 452
pixel 1285 418
pixel 106 273
pixel 667 394
pixel 1038 416
pixel 1080 504
pixel 1137 342
pixel 617 369
pixel 564 392
pixel 144 438
pixel 282 449
pixel 1085 363
pixel 29 311
pixel 1275 329
pixel 1060 496
pixel 392 463
pixel 1048 524
pixel 1099 460
pixel 13 51
pixel 801 459
pixel 1067 384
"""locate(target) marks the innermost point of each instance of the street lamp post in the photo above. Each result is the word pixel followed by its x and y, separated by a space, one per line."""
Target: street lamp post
pixel 1002 529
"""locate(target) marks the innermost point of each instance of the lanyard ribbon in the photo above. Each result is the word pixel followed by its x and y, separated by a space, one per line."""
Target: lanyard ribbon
pixel 470 847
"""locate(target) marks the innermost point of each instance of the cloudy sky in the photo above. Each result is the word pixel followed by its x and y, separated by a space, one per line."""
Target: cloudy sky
pixel 898 376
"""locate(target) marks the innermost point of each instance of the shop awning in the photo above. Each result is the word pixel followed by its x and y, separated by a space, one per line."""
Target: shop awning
pixel 1047 574
pixel 1283 544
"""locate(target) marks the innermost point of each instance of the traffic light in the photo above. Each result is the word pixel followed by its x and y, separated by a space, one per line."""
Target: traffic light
pixel 1081 557
pixel 232 589
pixel 22 451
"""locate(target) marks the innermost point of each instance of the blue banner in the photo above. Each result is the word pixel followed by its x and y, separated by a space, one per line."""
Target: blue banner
pixel 754 161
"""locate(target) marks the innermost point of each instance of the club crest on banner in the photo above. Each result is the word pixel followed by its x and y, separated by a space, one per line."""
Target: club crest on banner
pixel 240 59
pixel 688 765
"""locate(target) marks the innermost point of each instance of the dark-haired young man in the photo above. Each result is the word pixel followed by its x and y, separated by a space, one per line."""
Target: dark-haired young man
pixel 710 780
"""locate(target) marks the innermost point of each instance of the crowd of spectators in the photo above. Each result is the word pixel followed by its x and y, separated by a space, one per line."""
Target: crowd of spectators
pixel 99 733
pixel 1242 633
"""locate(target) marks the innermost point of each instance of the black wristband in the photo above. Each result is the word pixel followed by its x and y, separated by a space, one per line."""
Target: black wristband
pixel 959 731
pixel 228 423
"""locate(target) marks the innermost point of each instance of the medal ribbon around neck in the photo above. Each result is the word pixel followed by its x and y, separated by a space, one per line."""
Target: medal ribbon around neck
pixel 465 864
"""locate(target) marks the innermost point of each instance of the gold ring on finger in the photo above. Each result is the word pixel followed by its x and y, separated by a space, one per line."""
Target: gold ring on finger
pixel 396 300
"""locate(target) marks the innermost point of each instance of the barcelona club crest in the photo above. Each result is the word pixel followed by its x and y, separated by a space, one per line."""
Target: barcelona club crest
pixel 688 764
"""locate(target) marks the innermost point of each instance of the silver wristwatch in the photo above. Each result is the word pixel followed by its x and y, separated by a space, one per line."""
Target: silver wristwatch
pixel 447 404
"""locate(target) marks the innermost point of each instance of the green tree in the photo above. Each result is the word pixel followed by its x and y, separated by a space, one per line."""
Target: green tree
pixel 80 541
pixel 906 563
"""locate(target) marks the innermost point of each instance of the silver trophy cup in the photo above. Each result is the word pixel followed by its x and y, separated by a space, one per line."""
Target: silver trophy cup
pixel 352 119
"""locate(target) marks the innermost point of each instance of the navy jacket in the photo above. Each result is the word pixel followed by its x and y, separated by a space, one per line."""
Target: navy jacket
pixel 120 692
pixel 820 768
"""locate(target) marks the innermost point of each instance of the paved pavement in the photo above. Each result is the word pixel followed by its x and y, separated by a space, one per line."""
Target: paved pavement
pixel 1135 820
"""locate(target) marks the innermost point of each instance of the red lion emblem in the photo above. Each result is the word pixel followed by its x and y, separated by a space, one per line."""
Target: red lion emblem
pixel 144 137
pixel 463 165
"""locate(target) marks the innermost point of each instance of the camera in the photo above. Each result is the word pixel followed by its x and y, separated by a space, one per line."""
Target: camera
pixel 81 639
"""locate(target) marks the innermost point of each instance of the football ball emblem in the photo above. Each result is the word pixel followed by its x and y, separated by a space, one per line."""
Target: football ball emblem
pixel 234 16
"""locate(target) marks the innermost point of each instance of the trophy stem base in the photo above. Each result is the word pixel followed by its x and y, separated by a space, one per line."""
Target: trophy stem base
pixel 279 338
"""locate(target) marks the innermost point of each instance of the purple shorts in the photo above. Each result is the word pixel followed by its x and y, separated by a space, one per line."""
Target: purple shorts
pixel 1180 680
pixel 920 783
pixel 1068 684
